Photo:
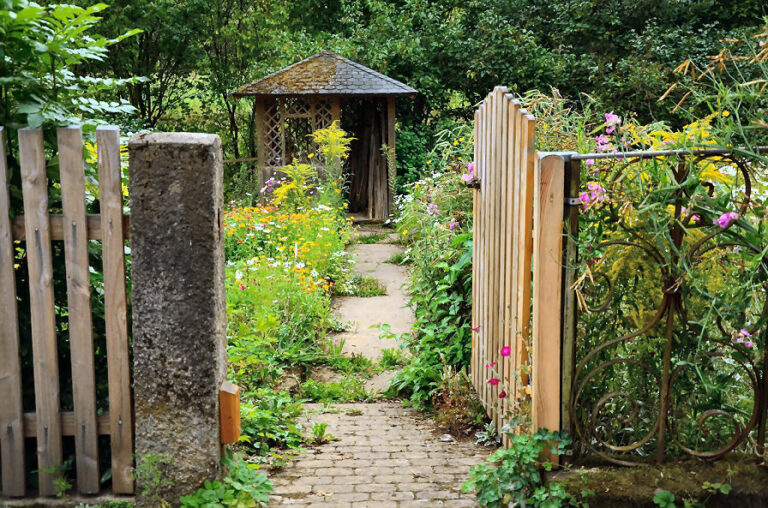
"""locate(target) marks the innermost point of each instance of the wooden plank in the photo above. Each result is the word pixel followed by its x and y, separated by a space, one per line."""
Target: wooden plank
pixel 72 170
pixel 57 227
pixel 499 234
pixel 67 419
pixel 261 136
pixel 43 322
pixel 115 308
pixel 391 135
pixel 547 276
pixel 473 362
pixel 510 261
pixel 570 309
pixel 486 189
pixel 229 412
pixel 11 423
pixel 526 248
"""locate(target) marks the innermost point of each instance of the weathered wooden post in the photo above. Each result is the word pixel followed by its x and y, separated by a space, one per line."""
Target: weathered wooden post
pixel 179 312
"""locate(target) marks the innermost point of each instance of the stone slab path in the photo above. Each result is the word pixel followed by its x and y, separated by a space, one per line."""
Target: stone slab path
pixel 385 454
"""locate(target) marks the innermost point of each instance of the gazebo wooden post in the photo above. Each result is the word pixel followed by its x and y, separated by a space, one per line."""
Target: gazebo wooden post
pixel 261 144
pixel 335 109
pixel 391 144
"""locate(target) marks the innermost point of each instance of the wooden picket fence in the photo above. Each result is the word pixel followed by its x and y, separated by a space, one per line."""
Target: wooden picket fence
pixel 37 229
pixel 517 266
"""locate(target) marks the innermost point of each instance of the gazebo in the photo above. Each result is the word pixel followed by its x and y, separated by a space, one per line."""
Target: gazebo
pixel 311 94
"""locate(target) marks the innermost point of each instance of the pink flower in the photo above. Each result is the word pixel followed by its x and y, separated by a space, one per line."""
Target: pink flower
pixel 502 394
pixel 453 224
pixel 470 174
pixel 493 381
pixel 748 344
pixel 590 162
pixel 695 217
pixel 745 333
pixel 726 219
pixel 603 148
pixel 506 351
pixel 602 139
pixel 242 286
pixel 475 328
pixel 433 209
pixel 611 120
pixel 489 365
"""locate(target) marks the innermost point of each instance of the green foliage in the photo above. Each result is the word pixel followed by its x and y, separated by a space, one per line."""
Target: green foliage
pixel 391 358
pixel 512 475
pixel 268 420
pixel 243 487
pixel 664 499
pixel 149 472
pixel 433 222
pixel 361 285
pixel 320 434
pixel 40 48
pixel 348 389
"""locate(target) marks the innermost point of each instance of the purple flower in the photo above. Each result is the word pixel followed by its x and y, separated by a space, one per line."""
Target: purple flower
pixel 467 177
pixel 453 224
pixel 745 333
pixel 726 219
pixel 611 120
pixel 590 162
pixel 433 209
pixel 471 167
pixel 748 344
pixel 603 148
pixel 696 217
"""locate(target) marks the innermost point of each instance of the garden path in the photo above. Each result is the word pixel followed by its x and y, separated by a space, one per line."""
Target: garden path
pixel 385 454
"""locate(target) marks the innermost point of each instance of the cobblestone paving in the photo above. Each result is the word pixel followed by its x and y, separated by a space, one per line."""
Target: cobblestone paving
pixel 386 455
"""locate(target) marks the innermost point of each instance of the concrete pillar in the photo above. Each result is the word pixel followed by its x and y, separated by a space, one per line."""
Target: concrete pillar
pixel 179 310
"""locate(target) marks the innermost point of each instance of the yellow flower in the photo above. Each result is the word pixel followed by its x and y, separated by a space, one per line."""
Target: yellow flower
pixel 310 155
pixel 404 232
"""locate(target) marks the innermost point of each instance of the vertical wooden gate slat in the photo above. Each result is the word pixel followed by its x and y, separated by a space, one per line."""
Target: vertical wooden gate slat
pixel 11 409
pixel 72 169
pixel 486 331
pixel 495 177
pixel 549 197
pixel 513 235
pixel 115 308
pixel 46 365
pixel 474 362
pixel 525 245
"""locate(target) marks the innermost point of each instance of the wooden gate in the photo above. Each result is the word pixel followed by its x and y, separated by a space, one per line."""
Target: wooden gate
pixel 35 231
pixel 517 268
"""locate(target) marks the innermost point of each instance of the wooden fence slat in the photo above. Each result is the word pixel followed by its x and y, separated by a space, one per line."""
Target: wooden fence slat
pixel 486 264
pixel 57 227
pixel 549 196
pixel 67 419
pixel 495 174
pixel 11 422
pixel 72 170
pixel 525 246
pixel 476 197
pixel 115 308
pixel 43 321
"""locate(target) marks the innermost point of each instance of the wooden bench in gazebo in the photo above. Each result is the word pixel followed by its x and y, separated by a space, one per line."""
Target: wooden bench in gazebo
pixel 311 94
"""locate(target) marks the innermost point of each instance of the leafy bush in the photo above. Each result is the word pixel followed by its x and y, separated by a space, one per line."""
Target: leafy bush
pixel 512 476
pixel 269 421
pixel 242 487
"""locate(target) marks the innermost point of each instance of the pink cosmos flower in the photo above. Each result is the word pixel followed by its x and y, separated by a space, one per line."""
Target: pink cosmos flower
pixel 506 351
pixel 726 219
pixel 493 381
pixel 489 365
pixel 502 394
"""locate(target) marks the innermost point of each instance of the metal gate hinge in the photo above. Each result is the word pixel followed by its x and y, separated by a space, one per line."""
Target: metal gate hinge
pixel 572 201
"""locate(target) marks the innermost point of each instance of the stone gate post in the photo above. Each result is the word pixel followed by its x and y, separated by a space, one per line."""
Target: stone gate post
pixel 179 311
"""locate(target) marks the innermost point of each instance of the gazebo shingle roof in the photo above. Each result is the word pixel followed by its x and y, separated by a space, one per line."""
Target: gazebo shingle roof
pixel 325 73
